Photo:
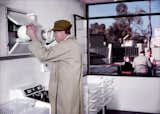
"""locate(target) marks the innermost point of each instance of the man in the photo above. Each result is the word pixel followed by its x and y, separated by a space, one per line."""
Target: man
pixel 66 68
pixel 152 70
pixel 141 64
pixel 126 68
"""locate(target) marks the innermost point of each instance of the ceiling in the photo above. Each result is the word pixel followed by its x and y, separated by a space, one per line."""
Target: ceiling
pixel 98 1
pixel 4 2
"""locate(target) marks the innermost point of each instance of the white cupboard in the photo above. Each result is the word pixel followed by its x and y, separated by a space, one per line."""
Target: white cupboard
pixel 3 31
pixel 10 21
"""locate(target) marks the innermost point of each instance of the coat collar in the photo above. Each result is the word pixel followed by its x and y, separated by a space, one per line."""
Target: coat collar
pixel 69 37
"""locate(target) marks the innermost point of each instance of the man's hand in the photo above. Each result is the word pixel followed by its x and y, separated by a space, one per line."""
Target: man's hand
pixel 31 32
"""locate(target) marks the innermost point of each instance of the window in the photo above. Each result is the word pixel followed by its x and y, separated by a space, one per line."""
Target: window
pixel 120 29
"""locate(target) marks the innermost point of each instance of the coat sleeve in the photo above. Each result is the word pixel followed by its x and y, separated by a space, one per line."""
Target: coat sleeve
pixel 57 52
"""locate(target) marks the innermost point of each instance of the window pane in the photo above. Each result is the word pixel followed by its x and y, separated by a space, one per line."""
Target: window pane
pixel 115 35
pixel 113 9
pixel 155 6
pixel 125 34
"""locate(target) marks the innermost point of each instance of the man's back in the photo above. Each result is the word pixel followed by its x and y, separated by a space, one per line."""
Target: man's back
pixel 141 64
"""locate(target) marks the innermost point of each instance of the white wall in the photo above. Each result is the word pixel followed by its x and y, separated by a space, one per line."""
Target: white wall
pixel 17 72
pixel 49 11
pixel 141 94
pixel 127 93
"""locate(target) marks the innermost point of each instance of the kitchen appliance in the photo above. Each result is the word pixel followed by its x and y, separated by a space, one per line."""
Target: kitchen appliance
pixel 34 96
pixel 37 92
pixel 34 91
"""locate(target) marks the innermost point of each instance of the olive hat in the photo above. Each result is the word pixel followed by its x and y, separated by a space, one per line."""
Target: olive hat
pixel 61 25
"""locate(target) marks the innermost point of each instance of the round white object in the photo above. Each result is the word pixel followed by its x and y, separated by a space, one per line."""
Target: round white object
pixel 22 33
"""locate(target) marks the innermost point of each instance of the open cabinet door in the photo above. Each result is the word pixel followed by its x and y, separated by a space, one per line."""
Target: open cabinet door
pixel 80 25
pixel 15 20
pixel 3 31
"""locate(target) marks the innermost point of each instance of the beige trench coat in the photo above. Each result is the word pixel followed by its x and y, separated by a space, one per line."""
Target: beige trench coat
pixel 66 75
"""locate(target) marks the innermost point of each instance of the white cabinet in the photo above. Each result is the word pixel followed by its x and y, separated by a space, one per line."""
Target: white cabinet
pixel 3 31
pixel 10 21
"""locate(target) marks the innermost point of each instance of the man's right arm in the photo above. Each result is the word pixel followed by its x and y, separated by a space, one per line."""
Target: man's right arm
pixel 55 53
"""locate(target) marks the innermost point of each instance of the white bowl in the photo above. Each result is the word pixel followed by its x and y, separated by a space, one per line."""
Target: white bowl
pixel 22 33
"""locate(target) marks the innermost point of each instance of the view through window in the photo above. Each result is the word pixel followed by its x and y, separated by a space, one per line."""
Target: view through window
pixel 119 32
